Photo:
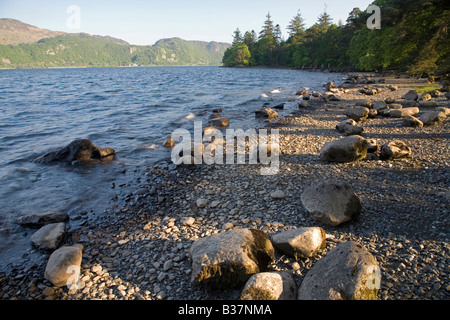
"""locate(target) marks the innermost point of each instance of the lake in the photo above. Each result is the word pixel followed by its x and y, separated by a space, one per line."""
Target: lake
pixel 132 110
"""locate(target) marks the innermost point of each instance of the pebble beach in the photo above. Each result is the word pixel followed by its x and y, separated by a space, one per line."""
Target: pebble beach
pixel 141 251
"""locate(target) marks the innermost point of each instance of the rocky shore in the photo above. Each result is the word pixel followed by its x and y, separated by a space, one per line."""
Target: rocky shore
pixel 143 250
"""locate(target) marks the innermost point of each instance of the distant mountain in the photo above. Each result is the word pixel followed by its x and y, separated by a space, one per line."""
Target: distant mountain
pixel 26 46
pixel 16 32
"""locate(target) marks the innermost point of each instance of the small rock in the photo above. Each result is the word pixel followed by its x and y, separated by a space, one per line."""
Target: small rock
pixel 63 266
pixel 278 194
pixel 188 221
pixel 357 113
pixel 411 121
pixel 168 265
pixel 432 118
pixel 411 95
pixel 49 236
pixel 270 286
pixel 396 149
pixel 201 203
pixel 265 112
pixel 304 241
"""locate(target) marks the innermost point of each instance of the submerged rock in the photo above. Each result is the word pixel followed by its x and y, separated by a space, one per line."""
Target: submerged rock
pixel 82 150
pixel 265 112
pixel 39 219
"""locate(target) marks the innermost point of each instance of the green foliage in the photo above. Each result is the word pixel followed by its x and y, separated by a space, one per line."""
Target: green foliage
pixel 237 56
pixel 83 50
pixel 414 37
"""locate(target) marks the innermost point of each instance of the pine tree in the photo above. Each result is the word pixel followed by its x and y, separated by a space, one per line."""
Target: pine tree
pixel 268 28
pixel 237 37
pixel 324 20
pixel 296 28
pixel 278 33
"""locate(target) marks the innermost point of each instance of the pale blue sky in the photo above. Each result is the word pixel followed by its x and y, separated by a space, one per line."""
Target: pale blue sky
pixel 144 22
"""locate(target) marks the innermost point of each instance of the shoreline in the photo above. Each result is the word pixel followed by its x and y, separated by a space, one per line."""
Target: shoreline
pixel 142 251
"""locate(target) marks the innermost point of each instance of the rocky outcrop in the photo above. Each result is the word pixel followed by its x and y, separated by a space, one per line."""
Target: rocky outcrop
pixel 82 150
pixel 229 259
pixel 331 202
pixel 347 272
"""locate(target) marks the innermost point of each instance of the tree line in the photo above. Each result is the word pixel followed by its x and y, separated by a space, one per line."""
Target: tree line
pixel 414 37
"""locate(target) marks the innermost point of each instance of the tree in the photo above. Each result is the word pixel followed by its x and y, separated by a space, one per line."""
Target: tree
pixel 324 20
pixel 237 37
pixel 237 56
pixel 296 29
pixel 268 28
pixel 277 34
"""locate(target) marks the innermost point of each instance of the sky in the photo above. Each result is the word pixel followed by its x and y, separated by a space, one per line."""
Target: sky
pixel 142 22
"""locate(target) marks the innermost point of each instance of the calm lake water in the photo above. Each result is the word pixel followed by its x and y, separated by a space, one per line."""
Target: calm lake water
pixel 131 110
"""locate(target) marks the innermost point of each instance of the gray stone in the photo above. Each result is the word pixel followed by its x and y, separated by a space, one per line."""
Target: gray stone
pixel 349 127
pixel 302 242
pixel 357 113
pixel 411 95
pixel 49 236
pixel 428 104
pixel 400 113
pixel 348 149
pixel 411 121
pixel 63 266
pixel 40 219
pixel 229 259
pixel 221 122
pixel 201 203
pixel 270 286
pixel 82 150
pixel 409 103
pixel 332 202
pixel 278 194
pixel 432 118
pixel 396 149
pixel 347 272
pixel 265 112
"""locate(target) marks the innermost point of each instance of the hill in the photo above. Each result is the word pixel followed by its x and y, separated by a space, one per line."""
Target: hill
pixel 25 46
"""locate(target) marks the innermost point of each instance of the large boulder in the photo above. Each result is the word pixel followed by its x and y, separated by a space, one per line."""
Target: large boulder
pixel 331 202
pixel 348 149
pixel 347 272
pixel 82 150
pixel 49 236
pixel 396 149
pixel 229 259
pixel 302 242
pixel 63 266
pixel 270 286
pixel 39 219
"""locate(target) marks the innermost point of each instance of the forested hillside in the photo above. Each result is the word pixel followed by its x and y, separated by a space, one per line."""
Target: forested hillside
pixel 414 37
pixel 84 50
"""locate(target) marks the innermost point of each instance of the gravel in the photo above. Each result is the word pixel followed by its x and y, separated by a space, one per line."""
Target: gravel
pixel 141 251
